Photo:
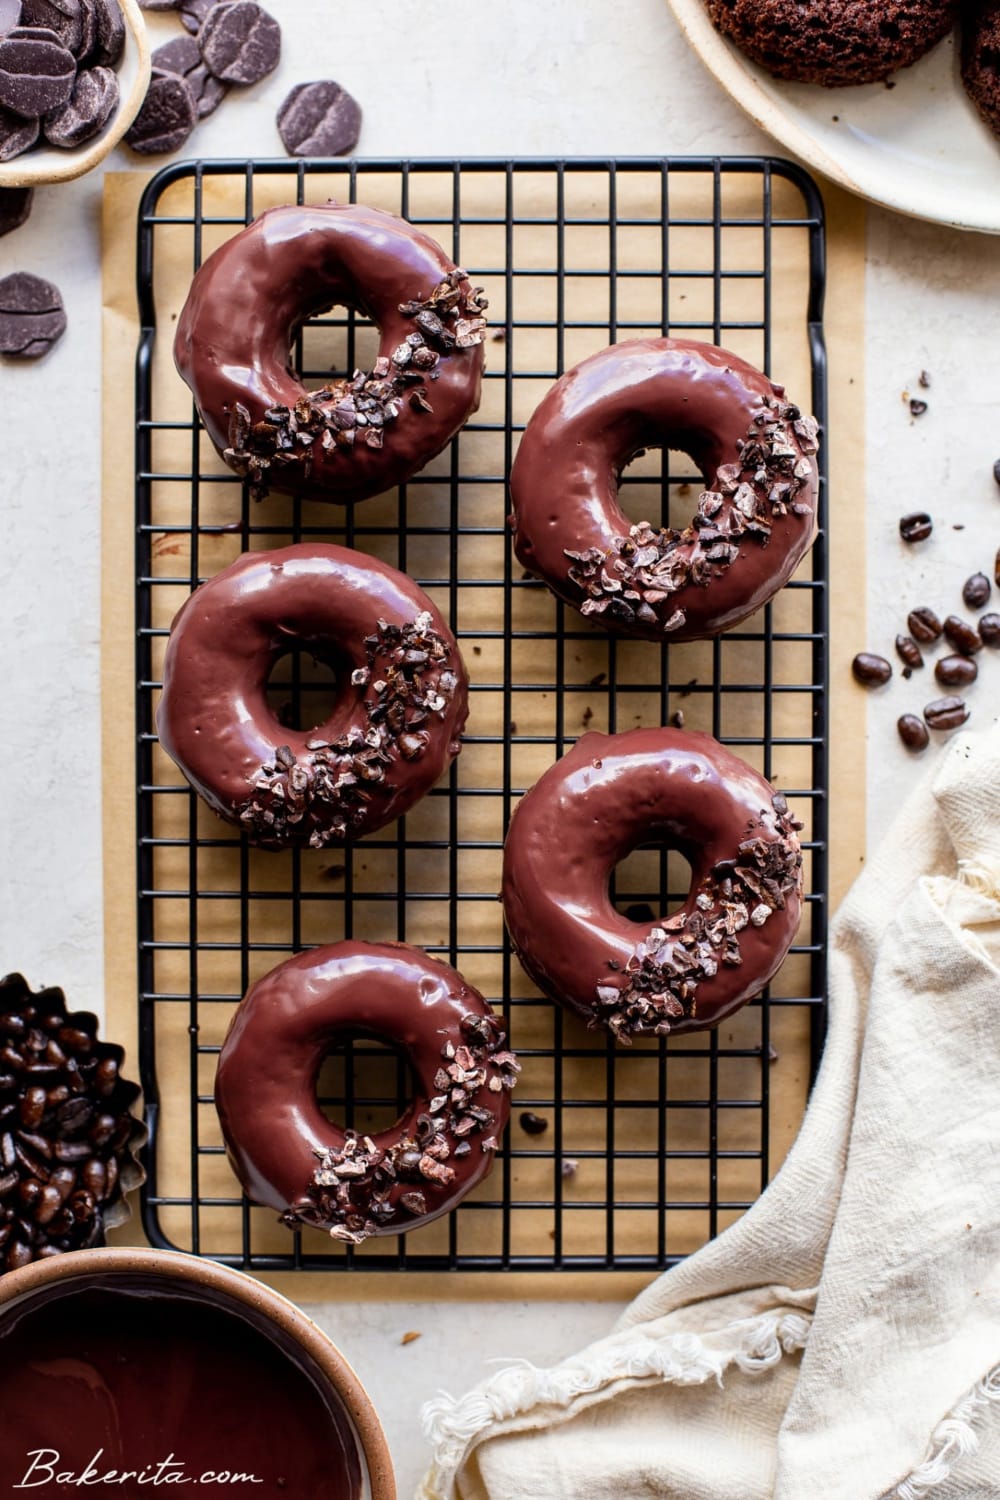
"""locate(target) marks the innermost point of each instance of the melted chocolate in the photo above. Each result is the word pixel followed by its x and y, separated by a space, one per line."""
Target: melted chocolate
pixel 395 726
pixel 120 1375
pixel 285 1151
pixel 606 796
pixel 241 316
pixel 754 523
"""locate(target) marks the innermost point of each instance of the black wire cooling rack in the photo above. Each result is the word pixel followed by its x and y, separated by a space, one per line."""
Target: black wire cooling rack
pixel 645 1153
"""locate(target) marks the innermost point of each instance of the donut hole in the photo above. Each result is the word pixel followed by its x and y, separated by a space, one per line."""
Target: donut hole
pixel 661 486
pixel 332 346
pixel 651 883
pixel 364 1084
pixel 304 690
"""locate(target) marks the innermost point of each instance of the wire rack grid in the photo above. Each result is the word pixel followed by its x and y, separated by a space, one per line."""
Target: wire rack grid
pixel 647 1152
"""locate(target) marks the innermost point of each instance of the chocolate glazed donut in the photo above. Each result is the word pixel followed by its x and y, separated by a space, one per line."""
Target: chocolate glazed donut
pixel 364 433
pixel 399 711
pixel 686 972
pixel 754 522
pixel 285 1151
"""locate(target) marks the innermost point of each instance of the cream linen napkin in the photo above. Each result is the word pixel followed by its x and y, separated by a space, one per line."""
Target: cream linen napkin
pixel 842 1339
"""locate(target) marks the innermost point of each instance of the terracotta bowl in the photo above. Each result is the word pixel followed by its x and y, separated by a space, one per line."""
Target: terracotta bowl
pixel 219 1287
pixel 54 164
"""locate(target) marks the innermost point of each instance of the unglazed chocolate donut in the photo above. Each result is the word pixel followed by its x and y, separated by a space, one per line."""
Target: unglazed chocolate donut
pixel 686 972
pixel 754 522
pixel 285 1151
pixel 362 434
pixel 399 711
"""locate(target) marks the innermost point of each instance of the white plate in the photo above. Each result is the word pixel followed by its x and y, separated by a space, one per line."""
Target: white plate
pixel 919 147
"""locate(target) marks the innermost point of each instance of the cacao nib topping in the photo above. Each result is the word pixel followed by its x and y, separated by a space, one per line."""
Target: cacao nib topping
pixel 358 411
pixel 636 579
pixel 408 680
pixel 662 975
pixel 355 1190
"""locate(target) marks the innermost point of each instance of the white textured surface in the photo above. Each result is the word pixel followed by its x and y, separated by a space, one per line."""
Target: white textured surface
pixel 570 76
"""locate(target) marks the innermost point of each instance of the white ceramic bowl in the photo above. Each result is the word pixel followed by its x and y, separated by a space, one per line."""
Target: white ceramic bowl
pixel 45 163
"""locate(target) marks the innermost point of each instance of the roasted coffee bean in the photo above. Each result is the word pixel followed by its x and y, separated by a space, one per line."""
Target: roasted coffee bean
pixel 870 670
pixel 31 318
pixel 963 636
pixel 908 651
pixel 924 625
pixel 76 1114
pixel 29 1194
pixel 32 1107
pixel 48 1205
pixel 956 671
pixel 75 1040
pixel 94 100
pixel 106 1077
pixel 63 1179
pixel 946 713
pixel 15 206
pixel 35 75
pixel 18 1255
pixel 320 119
pixel 916 527
pixel 989 630
pixel 94 1176
pixel 240 42
pixel 183 57
pixel 167 116
pixel 533 1124
pixel 975 591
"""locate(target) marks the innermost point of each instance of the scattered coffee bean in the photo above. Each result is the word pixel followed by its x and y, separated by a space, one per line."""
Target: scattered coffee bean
pixel 975 591
pixel 240 42
pixel 989 630
pixel 870 670
pixel 533 1124
pixel 35 75
pixel 10 15
pixel 916 527
pixel 182 56
pixel 16 135
pixel 167 116
pixel 913 732
pixel 917 407
pixel 924 625
pixel 956 671
pixel 94 100
pixel 963 636
pixel 15 206
pixel 32 316
pixel 908 651
pixel 319 119
pixel 946 713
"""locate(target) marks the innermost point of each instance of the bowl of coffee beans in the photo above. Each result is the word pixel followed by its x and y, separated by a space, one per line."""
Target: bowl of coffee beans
pixel 73 75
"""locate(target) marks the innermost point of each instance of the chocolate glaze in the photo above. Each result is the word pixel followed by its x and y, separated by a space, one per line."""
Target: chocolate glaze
pixel 149 1376
pixel 606 796
pixel 214 720
pixel 678 394
pixel 279 1140
pixel 250 297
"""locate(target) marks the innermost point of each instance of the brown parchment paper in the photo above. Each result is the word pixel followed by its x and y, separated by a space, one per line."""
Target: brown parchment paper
pixel 789 1027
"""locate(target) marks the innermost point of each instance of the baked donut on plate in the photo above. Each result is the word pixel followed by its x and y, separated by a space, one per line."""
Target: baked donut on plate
pixel 686 972
pixel 981 58
pixel 362 433
pixel 400 706
pixel 285 1151
pixel 755 520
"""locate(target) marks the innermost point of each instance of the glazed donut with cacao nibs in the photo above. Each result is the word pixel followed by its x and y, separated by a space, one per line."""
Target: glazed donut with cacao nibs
pixel 755 520
pixel 364 433
pixel 285 1151
pixel 400 703
pixel 608 795
pixel 834 42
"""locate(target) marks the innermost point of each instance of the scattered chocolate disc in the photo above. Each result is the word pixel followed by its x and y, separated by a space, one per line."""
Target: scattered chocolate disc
pixel 15 206
pixel 240 42
pixel 975 591
pixel 963 636
pixel 35 75
pixel 110 38
pixel 167 116
pixel 946 713
pixel 913 732
pixel 924 625
pixel 916 527
pixel 989 630
pixel 956 671
pixel 16 134
pixel 182 56
pixel 63 17
pixel 870 670
pixel 319 119
pixel 10 15
pixel 909 652
pixel 32 316
pixel 93 101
